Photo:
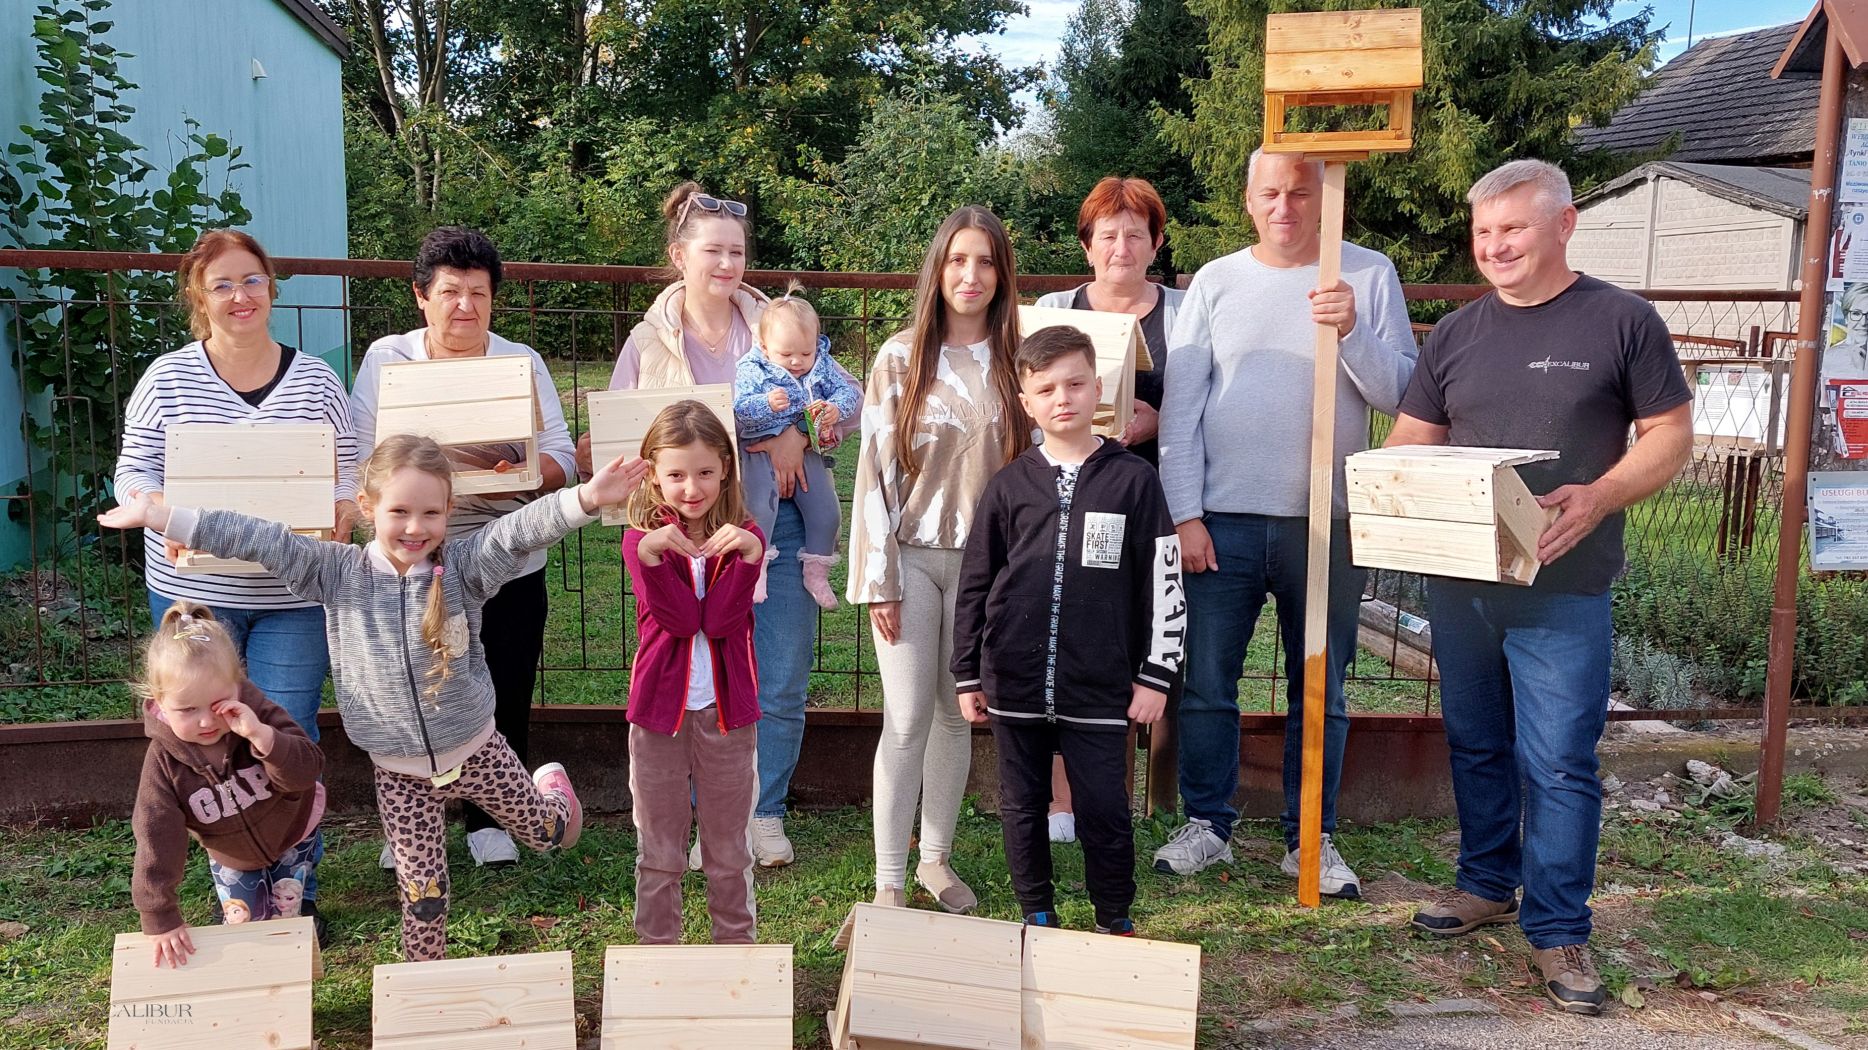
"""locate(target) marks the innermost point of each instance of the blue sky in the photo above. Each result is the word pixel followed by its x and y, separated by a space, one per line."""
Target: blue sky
pixel 1033 37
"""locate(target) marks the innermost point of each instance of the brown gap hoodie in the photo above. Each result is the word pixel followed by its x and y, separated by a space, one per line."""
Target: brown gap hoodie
pixel 247 811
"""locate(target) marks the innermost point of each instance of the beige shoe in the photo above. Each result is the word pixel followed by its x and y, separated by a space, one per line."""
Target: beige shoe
pixel 937 876
pixel 770 847
pixel 1457 912
pixel 886 897
pixel 1570 978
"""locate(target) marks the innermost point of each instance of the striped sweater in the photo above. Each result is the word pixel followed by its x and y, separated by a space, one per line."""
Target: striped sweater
pixel 182 387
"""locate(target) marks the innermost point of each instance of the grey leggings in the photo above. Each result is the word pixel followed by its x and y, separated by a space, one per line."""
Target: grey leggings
pixel 819 507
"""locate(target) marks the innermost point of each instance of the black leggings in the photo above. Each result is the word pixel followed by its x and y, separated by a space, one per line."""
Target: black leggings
pixel 512 631
pixel 1096 763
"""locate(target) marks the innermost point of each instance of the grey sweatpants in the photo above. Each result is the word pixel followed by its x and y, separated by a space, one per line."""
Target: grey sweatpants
pixel 818 505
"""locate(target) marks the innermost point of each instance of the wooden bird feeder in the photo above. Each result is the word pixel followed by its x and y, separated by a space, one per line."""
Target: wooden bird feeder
pixel 697 997
pixel 246 987
pixel 1120 350
pixel 620 419
pixel 1087 991
pixel 504 1001
pixel 917 978
pixel 466 402
pixel 281 472
pixel 1342 58
pixel 1444 510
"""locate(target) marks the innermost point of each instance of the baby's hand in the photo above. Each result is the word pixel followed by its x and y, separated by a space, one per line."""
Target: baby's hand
pixel 828 415
pixel 779 400
pixel 175 946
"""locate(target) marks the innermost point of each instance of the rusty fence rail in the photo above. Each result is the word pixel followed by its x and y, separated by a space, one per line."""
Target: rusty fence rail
pixel 70 613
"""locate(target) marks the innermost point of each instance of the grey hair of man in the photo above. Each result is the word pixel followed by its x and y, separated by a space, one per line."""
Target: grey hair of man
pixel 1551 185
pixel 1251 166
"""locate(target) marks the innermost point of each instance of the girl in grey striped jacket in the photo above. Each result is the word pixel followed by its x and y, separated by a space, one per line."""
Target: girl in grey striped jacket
pixel 402 618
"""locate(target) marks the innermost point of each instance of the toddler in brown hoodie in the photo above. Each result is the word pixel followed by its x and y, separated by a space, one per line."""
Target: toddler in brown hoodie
pixel 227 766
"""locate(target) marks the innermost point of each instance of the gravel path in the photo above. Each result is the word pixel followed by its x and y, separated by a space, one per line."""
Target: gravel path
pixel 1479 1032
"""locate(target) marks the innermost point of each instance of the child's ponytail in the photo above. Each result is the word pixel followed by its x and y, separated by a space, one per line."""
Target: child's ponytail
pixel 187 641
pixel 434 632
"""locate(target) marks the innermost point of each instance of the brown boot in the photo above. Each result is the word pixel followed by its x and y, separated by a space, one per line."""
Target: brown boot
pixel 1570 978
pixel 1457 912
pixel 886 896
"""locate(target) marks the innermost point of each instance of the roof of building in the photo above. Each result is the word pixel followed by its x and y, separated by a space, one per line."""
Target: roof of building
pixel 1802 58
pixel 1720 98
pixel 1780 191
pixel 320 25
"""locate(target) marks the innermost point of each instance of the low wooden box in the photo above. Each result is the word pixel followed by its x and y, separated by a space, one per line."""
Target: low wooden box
pixel 1343 58
pixel 246 986
pixel 277 471
pixel 697 997
pixel 1446 511
pixel 1120 350
pixel 619 419
pixel 467 401
pixel 917 978
pixel 1086 991
pixel 503 1002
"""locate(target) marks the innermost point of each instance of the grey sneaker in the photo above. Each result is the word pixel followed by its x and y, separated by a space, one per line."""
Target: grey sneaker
pixel 1338 879
pixel 492 846
pixel 770 847
pixel 1570 978
pixel 386 860
pixel 1457 912
pixel 1192 849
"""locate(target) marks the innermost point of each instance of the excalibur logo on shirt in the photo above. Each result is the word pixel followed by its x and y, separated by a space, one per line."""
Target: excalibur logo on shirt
pixel 1549 363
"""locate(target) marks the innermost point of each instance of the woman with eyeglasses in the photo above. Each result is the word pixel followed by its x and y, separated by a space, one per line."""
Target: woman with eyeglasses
pixel 694 335
pixel 236 373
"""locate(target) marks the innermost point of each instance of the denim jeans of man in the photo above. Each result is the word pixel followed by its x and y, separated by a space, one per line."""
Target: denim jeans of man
pixel 784 628
pixel 1259 556
pixel 1524 693
pixel 288 658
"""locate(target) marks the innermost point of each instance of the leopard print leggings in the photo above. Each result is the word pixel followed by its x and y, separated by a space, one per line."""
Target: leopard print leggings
pixel 494 779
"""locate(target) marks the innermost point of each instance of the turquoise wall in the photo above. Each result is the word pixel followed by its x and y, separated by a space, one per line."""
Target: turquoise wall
pixel 194 58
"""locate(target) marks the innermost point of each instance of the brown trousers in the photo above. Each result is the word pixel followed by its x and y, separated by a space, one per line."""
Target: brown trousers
pixel 700 771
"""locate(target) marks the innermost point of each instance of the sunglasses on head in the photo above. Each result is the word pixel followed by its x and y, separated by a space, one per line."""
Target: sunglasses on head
pixel 714 205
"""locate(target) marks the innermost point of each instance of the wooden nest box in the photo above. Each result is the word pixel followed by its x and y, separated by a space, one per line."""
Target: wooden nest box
pixel 1443 510
pixel 486 404
pixel 247 987
pixel 620 419
pixel 1120 351
pixel 512 1002
pixel 281 472
pixel 697 997
pixel 1342 58
pixel 1089 991
pixel 917 978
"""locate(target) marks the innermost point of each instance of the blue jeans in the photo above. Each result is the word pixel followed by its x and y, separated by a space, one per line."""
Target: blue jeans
pixel 784 628
pixel 1260 555
pixel 287 657
pixel 1524 693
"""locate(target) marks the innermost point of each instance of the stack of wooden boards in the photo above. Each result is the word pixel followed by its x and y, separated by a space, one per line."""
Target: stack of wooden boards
pixel 1444 510
pixel 619 419
pixel 281 472
pixel 1120 350
pixel 488 403
pixel 927 979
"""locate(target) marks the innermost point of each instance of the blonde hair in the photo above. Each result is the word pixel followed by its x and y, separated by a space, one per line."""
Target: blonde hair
pixel 191 274
pixel 683 222
pixel 793 307
pixel 188 642
pixel 678 426
pixel 414 452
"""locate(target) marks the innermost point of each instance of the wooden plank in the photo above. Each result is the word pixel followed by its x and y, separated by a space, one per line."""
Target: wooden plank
pixel 937 947
pixel 619 419
pixel 456 380
pixel 540 1037
pixel 1436 548
pixel 211 450
pixel 1118 969
pixel 916 1010
pixel 1521 522
pixel 255 1018
pixel 697 982
pixel 1372 69
pixel 430 1003
pixel 1437 455
pixel 1446 495
pixel 1079 1022
pixel 1375 139
pixel 713 1033
pixel 246 985
pixel 496 421
pixel 1343 30
pixel 297 503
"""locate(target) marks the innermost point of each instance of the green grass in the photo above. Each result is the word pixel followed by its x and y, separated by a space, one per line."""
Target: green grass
pixel 1673 908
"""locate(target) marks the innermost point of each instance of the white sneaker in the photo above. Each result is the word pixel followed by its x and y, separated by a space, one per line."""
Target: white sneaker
pixel 386 860
pixel 1192 849
pixel 492 846
pixel 1337 880
pixel 694 862
pixel 770 847
pixel 1063 827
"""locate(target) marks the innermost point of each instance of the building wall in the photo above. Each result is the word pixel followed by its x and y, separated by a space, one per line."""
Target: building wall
pixel 194 58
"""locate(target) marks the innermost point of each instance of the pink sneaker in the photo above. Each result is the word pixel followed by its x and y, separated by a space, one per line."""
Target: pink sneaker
pixel 758 589
pixel 552 777
pixel 817 578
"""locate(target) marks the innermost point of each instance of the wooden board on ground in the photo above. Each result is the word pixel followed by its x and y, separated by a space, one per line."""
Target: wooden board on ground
pixel 697 997
pixel 246 986
pixel 1085 991
pixel 1120 350
pixel 1445 510
pixel 282 472
pixel 619 419
pixel 508 1002
pixel 467 402
pixel 917 978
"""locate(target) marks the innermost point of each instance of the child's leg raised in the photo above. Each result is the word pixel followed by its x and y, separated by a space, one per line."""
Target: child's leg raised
pixel 726 784
pixel 1096 762
pixel 1024 795
pixel 663 811
pixel 536 814
pixel 411 810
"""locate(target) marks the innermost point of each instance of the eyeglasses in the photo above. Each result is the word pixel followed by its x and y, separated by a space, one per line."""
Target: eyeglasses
pixel 223 291
pixel 714 205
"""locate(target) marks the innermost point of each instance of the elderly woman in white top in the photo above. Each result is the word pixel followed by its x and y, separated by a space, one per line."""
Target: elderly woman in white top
pixel 457 273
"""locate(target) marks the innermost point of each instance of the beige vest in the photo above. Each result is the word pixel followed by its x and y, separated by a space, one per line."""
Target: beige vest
pixel 664 359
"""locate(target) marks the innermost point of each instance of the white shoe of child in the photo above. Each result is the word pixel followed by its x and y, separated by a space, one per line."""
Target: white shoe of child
pixel 1063 827
pixel 386 860
pixel 492 846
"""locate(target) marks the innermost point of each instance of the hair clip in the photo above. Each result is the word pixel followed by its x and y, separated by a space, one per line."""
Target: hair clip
pixel 437 571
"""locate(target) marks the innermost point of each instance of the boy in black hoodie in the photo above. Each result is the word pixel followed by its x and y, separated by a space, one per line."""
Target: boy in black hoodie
pixel 1068 625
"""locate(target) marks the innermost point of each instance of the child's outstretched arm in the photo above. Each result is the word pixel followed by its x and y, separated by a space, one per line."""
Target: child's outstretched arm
pixel 308 567
pixel 495 554
pixel 161 861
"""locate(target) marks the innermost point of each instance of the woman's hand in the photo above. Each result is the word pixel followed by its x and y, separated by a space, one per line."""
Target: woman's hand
pixel 175 946
pixel 733 539
pixel 670 537
pixel 583 457
pixel 347 517
pixel 613 483
pixel 886 618
pixel 787 452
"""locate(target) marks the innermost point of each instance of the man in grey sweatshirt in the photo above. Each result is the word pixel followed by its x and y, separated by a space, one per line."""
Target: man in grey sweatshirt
pixel 1235 461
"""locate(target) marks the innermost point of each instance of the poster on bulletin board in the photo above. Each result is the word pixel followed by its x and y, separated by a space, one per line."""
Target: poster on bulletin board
pixel 1838 520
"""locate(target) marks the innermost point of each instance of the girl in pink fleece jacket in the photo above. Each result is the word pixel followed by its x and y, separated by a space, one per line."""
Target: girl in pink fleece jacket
pixel 694 558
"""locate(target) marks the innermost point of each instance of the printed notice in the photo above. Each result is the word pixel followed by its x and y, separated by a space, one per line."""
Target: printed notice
pixel 1854 180
pixel 1838 520
pixel 1102 540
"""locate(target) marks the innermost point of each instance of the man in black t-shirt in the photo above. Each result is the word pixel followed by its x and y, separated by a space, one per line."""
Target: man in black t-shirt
pixel 1549 359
